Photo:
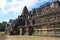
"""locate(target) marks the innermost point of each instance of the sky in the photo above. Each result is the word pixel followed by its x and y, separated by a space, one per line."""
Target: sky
pixel 10 9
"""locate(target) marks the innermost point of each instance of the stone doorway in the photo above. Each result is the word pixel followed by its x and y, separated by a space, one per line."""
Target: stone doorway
pixel 31 30
pixel 23 31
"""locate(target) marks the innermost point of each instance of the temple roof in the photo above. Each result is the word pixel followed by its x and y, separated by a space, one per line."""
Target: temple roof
pixel 25 10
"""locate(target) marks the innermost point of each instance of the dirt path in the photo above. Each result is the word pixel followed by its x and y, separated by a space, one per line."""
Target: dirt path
pixel 13 38
pixel 9 37
pixel 18 37
pixel 2 37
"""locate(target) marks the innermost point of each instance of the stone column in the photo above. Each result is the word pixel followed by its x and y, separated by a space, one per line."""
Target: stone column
pixel 27 31
pixel 44 29
pixel 20 31
pixel 56 0
pixel 25 22
pixel 36 31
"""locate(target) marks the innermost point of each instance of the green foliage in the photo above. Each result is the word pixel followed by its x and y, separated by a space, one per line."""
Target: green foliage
pixel 11 21
pixel 3 26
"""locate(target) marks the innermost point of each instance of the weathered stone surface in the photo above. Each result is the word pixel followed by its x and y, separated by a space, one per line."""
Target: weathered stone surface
pixel 44 20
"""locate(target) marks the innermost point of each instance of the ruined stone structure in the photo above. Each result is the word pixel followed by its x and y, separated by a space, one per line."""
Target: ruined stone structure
pixel 44 20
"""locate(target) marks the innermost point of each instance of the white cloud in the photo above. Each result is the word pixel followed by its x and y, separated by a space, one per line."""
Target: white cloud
pixel 16 5
pixel 7 20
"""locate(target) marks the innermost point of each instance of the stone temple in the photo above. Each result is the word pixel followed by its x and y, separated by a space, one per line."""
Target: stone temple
pixel 44 21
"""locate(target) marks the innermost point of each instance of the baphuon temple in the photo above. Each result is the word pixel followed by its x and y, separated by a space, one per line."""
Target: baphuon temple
pixel 44 21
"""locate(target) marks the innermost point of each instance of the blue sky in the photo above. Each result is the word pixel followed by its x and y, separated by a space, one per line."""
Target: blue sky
pixel 10 9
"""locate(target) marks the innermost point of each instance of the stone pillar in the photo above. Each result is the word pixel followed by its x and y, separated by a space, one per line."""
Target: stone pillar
pixel 20 31
pixel 35 31
pixel 56 0
pixel 25 22
pixel 27 31
pixel 36 12
pixel 44 29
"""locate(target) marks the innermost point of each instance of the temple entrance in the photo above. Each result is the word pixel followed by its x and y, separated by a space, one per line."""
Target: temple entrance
pixel 23 31
pixel 30 30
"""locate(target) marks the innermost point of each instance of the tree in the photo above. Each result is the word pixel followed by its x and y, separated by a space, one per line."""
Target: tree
pixel 11 21
pixel 3 26
pixel 0 26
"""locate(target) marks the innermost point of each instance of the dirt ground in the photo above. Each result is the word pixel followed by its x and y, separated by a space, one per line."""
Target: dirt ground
pixel 19 37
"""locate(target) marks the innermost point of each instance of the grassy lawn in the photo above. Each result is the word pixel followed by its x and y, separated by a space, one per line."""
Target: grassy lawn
pixel 2 33
pixel 2 36
pixel 19 37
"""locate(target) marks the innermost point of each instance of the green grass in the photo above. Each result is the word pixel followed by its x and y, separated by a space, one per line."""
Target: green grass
pixel 2 36
pixel 2 33
pixel 19 37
